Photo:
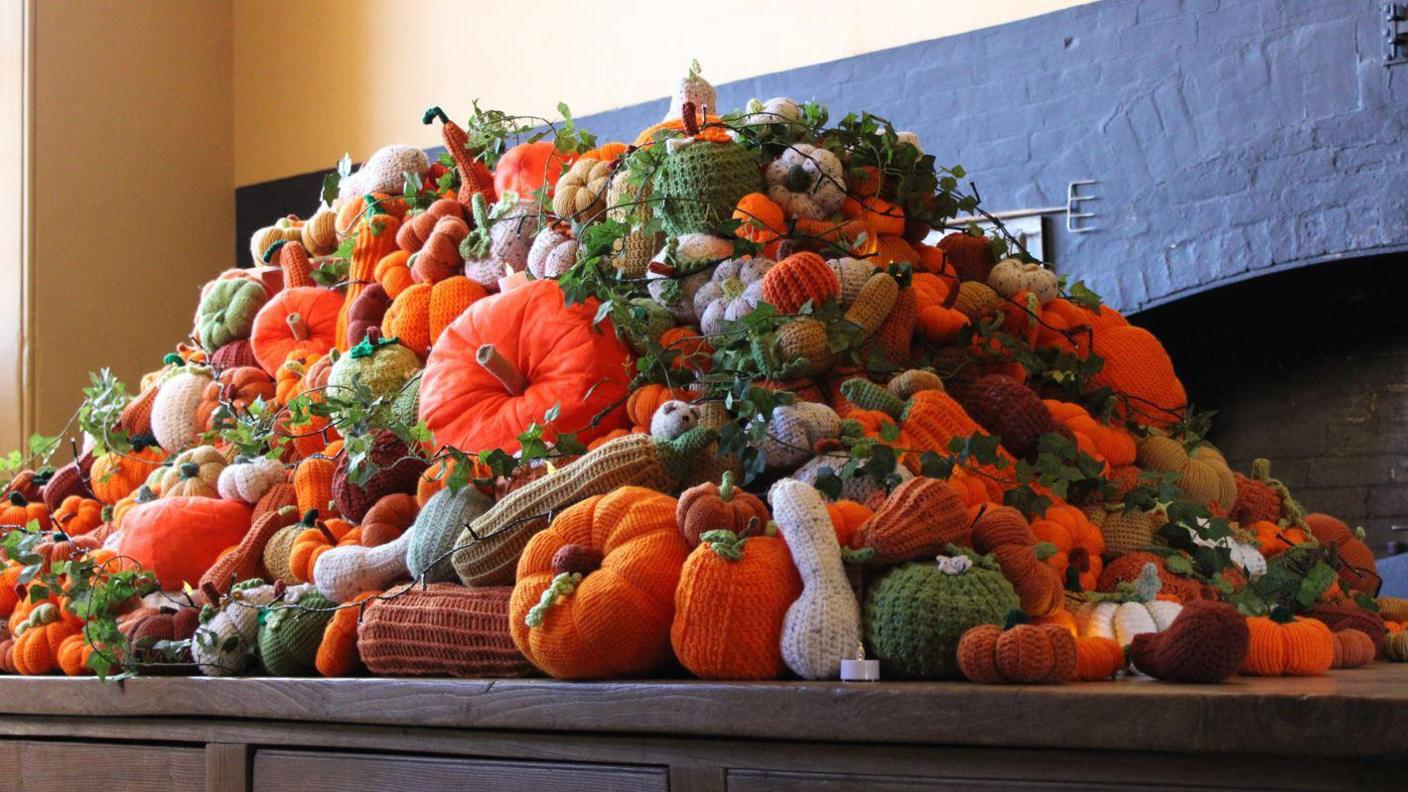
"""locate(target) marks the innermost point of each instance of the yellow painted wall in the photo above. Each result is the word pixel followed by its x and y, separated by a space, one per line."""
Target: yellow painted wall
pixel 316 78
pixel 133 195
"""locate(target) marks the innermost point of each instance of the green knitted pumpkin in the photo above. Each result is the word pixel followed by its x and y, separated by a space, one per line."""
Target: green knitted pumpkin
pixel 916 612
pixel 436 528
pixel 289 635
pixel 700 184
pixel 381 364
pixel 226 312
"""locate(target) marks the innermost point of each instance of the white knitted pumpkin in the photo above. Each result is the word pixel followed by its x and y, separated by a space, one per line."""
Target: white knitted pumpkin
pixel 807 181
pixel 512 228
pixel 1121 621
pixel 1010 276
pixel 794 430
pixel 777 110
pixel 174 410
pixel 344 572
pixel 248 479
pixel 677 292
pixel 732 292
pixel 554 252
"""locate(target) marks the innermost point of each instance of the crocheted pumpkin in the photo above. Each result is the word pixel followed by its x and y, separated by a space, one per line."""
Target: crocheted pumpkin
pixel 71 479
pixel 920 518
pixel 115 474
pixel 1123 530
pixel 179 538
pixel 916 613
pixel 235 389
pixel 603 574
pixel 78 515
pixel 733 595
pixel 227 310
pixel 397 471
pixel 388 518
pixel 1353 649
pixel 806 181
pixel 422 312
pixel 1017 653
pixel 227 643
pixel 1351 616
pixel 381 365
pixel 1203 475
pixel 1010 410
pixel 798 279
pixel 175 420
pixel 1134 610
pixel 191 473
pixel 1357 569
pixel 17 512
pixel 700 183
pixel 1206 642
pixel 249 478
pixel 970 256
pixel 291 631
pixel 1283 645
pixel 1128 567
pixel 509 359
pixel 1079 545
pixel 719 507
pixel 1011 277
pixel 580 194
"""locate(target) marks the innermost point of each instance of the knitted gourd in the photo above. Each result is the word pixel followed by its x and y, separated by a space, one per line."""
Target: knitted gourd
pixel 1023 654
pixel 249 478
pixel 441 630
pixel 1132 611
pixel 227 643
pixel 290 632
pixel 822 626
pixel 443 518
pixel 385 171
pixel 970 256
pixel 344 572
pixel 227 310
pixel 1358 569
pixel 1206 642
pixel 1004 533
pixel 246 560
pixel 603 574
pixel 699 183
pixel 916 613
pixel 1009 409
pixel 174 421
pixel 1128 567
pixel 732 291
pixel 1283 645
pixel 793 431
pixel 1010 277
pixel 71 479
pixel 919 519
pixel 1124 530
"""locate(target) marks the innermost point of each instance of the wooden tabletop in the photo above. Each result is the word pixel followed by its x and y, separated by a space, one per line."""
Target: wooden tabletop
pixel 1362 712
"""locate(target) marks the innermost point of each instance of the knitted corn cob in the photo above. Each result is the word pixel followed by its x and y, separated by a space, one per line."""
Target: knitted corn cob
pixel 873 303
pixel 823 625
pixel 442 630
pixel 293 260
pixel 436 528
pixel 291 632
pixel 493 542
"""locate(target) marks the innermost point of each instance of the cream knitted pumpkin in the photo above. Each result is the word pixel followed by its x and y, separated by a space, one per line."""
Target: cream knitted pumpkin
pixel 191 473
pixel 807 181
pixel 226 644
pixel 581 192
pixel 174 420
pixel 794 430
pixel 1011 276
pixel 1140 613
pixel 249 478
pixel 732 291
pixel 695 90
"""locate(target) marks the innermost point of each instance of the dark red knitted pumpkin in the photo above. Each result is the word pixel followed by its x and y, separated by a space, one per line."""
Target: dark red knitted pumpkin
pixel 397 471
pixel 971 256
pixel 235 354
pixel 71 479
pixel 1009 409
pixel 1353 617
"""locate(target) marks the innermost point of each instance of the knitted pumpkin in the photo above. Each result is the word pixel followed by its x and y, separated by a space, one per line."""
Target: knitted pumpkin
pixel 179 538
pixel 1260 498
pixel 1357 569
pixel 603 574
pixel 227 312
pixel 440 630
pixel 78 515
pixel 1123 530
pixel 71 479
pixel 916 613
pixel 17 512
pixel 1203 475
pixel 1011 277
pixel 116 474
pixel 1351 616
pixel 970 256
pixel 1017 653
pixel 720 507
pixel 38 637
pixel 1139 371
pixel 1113 444
pixel 375 239
pixel 303 319
pixel 580 194
pixel 1128 567
pixel 381 365
pixel 1206 642
pixel 798 279
pixel 507 360
pixel 234 389
pixel 337 652
pixel 1079 545
pixel 919 519
pixel 422 312
pixel 397 471
pixel 29 483
pixel 733 595
pixel 1273 538
pixel 806 181
pixel 439 257
pixel 1353 649
pixel 1004 533
pixel 312 485
pixel 436 528
pixel 760 219
pixel 388 518
pixel 313 540
pixel 794 430
pixel 288 380
pixel 1283 645
pixel 1097 658
pixel 1135 609
pixel 529 167
pixel 700 183
pixel 291 631
pixel 249 478
pixel 366 312
pixel 176 423
pixel 191 473
pixel 1010 410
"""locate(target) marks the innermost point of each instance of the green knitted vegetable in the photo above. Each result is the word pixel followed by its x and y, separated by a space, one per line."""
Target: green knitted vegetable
pixel 438 524
pixel 700 183
pixel 916 613
pixel 291 632
pixel 227 311
pixel 381 364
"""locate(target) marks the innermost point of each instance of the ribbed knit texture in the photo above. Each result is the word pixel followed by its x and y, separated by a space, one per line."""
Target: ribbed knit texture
pixel 383 373
pixel 1352 617
pixel 1256 501
pixel 1353 649
pixel 441 521
pixel 915 615
pixel 804 342
pixel 1125 531
pixel 1027 654
pixel 291 633
pixel 1207 642
pixel 1304 647
pixel 823 625
pixel 797 279
pixel 920 518
pixel 397 472
pixel 69 480
pixel 700 184
pixel 1003 532
pixel 312 484
pixel 971 256
pixel 443 630
pixel 1010 410
pixel 1204 476
pixel 136 417
pixel 890 346
pixel 278 553
pixel 174 411
pixel 247 559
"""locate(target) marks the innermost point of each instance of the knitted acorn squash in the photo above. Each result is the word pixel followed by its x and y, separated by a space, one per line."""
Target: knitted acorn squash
pixel 1283 645
pixel 436 528
pixel 916 613
pixel 1203 474
pixel 1206 642
pixel 919 519
pixel 720 507
pixel 734 592
pixel 227 310
pixel 595 591
pixel 506 361
pixel 179 538
pixel 1079 545
pixel 1017 653
pixel 303 318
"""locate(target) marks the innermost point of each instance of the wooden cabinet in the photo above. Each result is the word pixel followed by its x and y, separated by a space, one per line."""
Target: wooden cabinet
pixel 319 771
pixel 33 766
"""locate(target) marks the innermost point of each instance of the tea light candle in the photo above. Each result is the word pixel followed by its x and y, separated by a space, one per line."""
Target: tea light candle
pixel 860 669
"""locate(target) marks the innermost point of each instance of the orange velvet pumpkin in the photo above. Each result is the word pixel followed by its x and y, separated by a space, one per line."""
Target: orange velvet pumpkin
pixel 179 538
pixel 294 319
pixel 510 358
pixel 529 167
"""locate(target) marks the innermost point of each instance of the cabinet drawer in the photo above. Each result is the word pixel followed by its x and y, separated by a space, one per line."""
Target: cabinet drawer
pixel 68 766
pixel 312 771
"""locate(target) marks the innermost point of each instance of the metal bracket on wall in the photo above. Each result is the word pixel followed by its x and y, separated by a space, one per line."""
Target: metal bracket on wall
pixel 1079 222
pixel 1395 34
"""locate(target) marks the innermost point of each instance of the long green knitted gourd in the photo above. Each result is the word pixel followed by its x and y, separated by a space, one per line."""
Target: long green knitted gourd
pixel 437 525
pixel 290 633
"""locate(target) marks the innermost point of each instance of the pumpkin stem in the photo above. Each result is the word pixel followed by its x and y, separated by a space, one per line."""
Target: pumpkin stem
pixel 297 326
pixel 578 559
pixel 868 396
pixel 269 252
pixel 1014 617
pixel 725 544
pixel 726 488
pixel 189 470
pixel 141 442
pixel 1148 585
pixel 1281 614
pixel 1261 469
pixel 561 586
pixel 688 114
pixel 172 359
pixel 501 369
pixel 16 499
pixel 326 532
pixel 432 113
pixel 310 518
pixel 212 594
pixel 797 179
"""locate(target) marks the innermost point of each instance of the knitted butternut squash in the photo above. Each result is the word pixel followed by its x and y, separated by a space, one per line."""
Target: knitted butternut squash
pixel 337 653
pixel 920 518
pixel 720 507
pixel 733 595
pixel 1017 653
pixel 493 542
pixel 823 625
pixel 1203 475
pixel 595 590
pixel 1283 645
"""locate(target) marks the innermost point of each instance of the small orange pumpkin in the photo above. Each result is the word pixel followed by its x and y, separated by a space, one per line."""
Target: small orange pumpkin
pixel 18 512
pixel 78 515
pixel 710 507
pixel 116 474
pixel 1017 653
pixel 1283 645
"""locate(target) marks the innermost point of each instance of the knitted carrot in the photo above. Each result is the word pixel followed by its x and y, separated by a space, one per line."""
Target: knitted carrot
pixel 375 238
pixel 474 176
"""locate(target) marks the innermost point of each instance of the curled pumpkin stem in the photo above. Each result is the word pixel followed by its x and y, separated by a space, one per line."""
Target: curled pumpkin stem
pixel 489 357
pixel 561 586
pixel 725 544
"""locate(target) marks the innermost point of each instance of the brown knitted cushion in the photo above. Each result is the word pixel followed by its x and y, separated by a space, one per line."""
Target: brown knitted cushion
pixel 442 630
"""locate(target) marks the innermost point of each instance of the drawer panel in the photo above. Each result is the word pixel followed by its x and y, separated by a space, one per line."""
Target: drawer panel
pixel 69 766
pixel 313 771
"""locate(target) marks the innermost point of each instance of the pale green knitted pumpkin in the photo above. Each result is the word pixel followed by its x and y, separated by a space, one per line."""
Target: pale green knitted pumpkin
pixel 227 311
pixel 291 631
pixel 380 364
pixel 700 183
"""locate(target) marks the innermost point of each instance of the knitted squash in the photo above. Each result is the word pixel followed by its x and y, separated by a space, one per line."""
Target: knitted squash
pixel 580 194
pixel 1134 610
pixel 1079 545
pixel 344 572
pixel 227 312
pixel 507 360
pixel 312 485
pixel 78 515
pixel 249 478
pixel 720 507
pixel 71 479
pixel 388 518
pixel 475 179
pixel 436 528
pixel 246 559
pixel 1206 642
pixel 176 423
pixel 227 643
pixel 529 167
pixel 375 239
pixel 700 183
pixel 1010 277
pixel 381 365
pixel 880 217
pixel 798 279
pixel 1017 653
pixel 920 518
pixel 366 312
pixel 284 229
pixel 191 473
pixel 1353 649
pixel 1004 533
pixel 291 631
pixel 234 389
pixel 440 630
pixel 806 181
pixel 916 613
pixel 397 471
pixel 1357 567
pixel 1010 410
pixel 439 257
pixel 337 652
pixel 18 512
pixel 1352 617
pixel 1139 370
pixel 1203 475
pixel 733 595
pixel 115 474
pixel 422 312
pixel 313 540
pixel 179 538
pixel 761 219
pixel 1273 538
pixel 303 319
pixel 1123 530
pixel 595 590
pixel 1283 645
pixel 970 256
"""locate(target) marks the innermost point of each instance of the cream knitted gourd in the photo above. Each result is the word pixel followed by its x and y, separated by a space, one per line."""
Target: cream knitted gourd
pixel 794 430
pixel 384 171
pixel 344 572
pixel 174 420
pixel 823 625
pixel 248 479
pixel 226 644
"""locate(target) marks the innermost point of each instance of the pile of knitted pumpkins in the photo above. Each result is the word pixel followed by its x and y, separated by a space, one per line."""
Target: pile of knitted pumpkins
pixel 652 548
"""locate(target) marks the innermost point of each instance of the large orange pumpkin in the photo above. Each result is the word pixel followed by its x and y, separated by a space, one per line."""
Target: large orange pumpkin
pixel 302 318
pixel 509 358
pixel 529 167
pixel 179 538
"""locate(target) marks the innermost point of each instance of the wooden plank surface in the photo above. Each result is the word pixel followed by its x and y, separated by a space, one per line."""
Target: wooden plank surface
pixel 227 767
pixel 1347 713
pixel 309 771
pixel 71 766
